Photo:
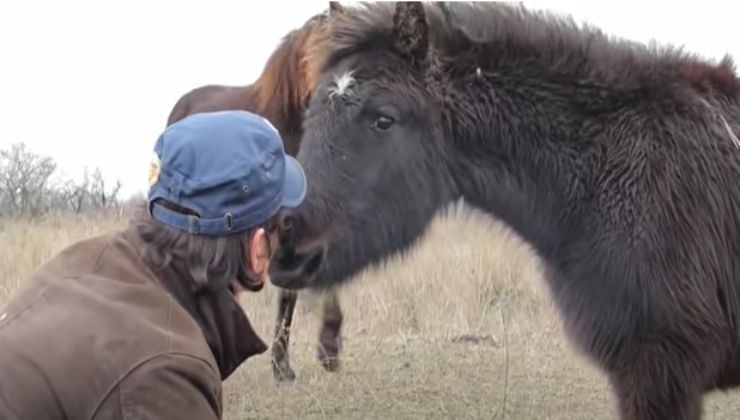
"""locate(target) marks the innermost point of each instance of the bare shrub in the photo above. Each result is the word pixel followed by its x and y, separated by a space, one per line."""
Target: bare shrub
pixel 31 187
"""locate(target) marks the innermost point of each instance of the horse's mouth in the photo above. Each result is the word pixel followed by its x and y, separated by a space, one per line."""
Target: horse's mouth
pixel 296 270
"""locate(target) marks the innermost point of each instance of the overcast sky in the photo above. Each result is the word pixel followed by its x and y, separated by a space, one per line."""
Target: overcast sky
pixel 91 82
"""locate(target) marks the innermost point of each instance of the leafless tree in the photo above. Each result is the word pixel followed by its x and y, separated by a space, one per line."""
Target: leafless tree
pixel 24 179
pixel 29 187
pixel 103 196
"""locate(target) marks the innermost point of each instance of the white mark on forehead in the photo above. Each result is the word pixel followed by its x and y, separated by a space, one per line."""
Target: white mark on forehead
pixel 341 84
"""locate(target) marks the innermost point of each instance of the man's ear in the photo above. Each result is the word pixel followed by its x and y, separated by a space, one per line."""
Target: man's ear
pixel 259 252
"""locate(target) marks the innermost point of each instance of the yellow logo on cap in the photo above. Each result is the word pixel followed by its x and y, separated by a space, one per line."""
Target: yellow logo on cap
pixel 154 168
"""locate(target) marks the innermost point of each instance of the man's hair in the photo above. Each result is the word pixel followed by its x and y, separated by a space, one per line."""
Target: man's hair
pixel 212 262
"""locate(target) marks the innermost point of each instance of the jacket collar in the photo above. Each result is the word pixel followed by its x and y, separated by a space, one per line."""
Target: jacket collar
pixel 224 324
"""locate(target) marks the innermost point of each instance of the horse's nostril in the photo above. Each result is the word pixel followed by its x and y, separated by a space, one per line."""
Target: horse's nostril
pixel 286 220
pixel 288 223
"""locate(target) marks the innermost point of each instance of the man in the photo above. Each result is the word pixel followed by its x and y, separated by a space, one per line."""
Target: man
pixel 145 323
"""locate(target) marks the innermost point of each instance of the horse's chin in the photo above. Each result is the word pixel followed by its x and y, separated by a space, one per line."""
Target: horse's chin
pixel 297 271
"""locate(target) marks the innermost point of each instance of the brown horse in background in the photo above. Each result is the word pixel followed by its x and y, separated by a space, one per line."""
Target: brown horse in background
pixel 280 94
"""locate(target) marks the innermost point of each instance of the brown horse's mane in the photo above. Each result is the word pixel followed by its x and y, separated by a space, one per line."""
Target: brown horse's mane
pixel 280 93
pixel 484 35
pixel 284 87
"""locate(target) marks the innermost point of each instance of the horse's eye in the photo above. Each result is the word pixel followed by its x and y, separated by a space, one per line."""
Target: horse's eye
pixel 383 123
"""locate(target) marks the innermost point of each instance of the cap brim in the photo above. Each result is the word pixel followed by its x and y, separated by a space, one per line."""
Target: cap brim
pixel 296 186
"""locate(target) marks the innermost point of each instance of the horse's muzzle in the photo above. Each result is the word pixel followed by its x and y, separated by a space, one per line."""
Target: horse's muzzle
pixel 291 270
pixel 294 262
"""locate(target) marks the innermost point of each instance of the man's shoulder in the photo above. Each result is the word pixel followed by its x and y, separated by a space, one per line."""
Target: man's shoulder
pixel 80 257
pixel 61 271
pixel 95 311
pixel 76 260
pixel 174 364
pixel 111 357
pixel 172 383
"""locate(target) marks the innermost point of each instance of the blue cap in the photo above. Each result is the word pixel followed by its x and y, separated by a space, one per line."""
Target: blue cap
pixel 230 167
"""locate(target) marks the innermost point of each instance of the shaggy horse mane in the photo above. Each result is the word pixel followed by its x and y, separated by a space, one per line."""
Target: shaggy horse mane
pixel 289 76
pixel 486 34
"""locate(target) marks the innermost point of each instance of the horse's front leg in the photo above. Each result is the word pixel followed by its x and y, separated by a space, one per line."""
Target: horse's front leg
pixel 280 358
pixel 659 384
pixel 330 339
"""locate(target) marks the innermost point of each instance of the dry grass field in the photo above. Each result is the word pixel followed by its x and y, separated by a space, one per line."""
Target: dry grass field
pixel 460 328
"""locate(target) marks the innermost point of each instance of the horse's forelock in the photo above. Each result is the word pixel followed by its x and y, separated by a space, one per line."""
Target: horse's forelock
pixel 360 25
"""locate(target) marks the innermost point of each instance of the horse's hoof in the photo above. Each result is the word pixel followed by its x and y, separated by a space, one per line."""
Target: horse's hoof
pixel 329 360
pixel 330 364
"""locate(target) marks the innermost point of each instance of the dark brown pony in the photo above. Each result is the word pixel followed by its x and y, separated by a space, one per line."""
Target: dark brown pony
pixel 618 163
pixel 280 94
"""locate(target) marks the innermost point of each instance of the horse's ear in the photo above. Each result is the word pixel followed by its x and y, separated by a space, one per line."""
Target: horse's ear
pixel 335 8
pixel 410 30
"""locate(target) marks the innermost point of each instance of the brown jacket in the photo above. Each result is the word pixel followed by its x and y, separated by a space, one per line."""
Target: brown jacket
pixel 95 334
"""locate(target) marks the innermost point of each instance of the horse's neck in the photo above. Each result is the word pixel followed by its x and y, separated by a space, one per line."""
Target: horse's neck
pixel 509 170
pixel 249 97
pixel 285 117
